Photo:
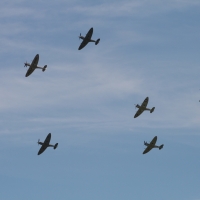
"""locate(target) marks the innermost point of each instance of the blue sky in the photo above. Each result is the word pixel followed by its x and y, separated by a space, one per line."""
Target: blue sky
pixel 86 100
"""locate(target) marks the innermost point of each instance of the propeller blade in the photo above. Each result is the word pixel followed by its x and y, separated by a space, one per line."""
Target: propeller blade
pixel 38 141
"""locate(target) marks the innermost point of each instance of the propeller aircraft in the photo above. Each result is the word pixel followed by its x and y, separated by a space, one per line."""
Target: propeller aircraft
pixel 87 39
pixel 152 145
pixel 143 107
pixel 46 144
pixel 33 66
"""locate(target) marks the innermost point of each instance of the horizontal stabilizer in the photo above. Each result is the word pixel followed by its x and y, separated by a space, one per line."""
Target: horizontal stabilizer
pixel 161 146
pixel 44 68
pixel 152 110
pixel 55 146
pixel 97 42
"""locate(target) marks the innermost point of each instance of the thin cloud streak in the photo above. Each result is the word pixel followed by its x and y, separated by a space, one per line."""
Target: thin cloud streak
pixel 141 8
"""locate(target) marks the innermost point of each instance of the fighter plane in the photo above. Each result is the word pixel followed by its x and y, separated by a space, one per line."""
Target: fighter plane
pixel 143 107
pixel 152 145
pixel 87 39
pixel 46 144
pixel 33 66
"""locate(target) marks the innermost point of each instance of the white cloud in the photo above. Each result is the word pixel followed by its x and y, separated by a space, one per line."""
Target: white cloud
pixel 127 8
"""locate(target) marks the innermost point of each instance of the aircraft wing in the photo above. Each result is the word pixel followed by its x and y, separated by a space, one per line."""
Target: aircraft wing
pixel 89 34
pixel 48 138
pixel 139 112
pixel 42 149
pixel 83 44
pixel 145 102
pixel 30 71
pixel 148 149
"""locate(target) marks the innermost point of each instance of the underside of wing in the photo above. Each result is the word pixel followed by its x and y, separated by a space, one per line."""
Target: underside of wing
pixel 48 138
pixel 147 149
pixel 145 102
pixel 42 149
pixel 83 44
pixel 30 71
pixel 139 112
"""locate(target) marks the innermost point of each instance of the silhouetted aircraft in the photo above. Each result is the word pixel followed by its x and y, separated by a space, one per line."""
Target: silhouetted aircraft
pixel 46 144
pixel 87 39
pixel 33 66
pixel 152 145
pixel 143 107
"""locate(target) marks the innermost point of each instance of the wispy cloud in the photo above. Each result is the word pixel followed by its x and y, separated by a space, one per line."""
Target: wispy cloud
pixel 103 81
pixel 127 8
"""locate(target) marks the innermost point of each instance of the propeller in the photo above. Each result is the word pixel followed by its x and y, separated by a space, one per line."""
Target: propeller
pixel 135 106
pixel 38 141
pixel 80 36
pixel 25 64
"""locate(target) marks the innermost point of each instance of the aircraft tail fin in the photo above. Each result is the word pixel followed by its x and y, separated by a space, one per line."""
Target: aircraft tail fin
pixel 44 68
pixel 97 41
pixel 55 146
pixel 161 146
pixel 152 109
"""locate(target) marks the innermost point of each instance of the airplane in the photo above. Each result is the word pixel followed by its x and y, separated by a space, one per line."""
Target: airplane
pixel 143 107
pixel 87 39
pixel 152 145
pixel 46 144
pixel 33 66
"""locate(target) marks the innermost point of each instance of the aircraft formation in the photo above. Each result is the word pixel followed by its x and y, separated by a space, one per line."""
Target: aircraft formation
pixel 141 108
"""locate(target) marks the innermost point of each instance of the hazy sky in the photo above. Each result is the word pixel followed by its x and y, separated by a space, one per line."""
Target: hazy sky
pixel 86 100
